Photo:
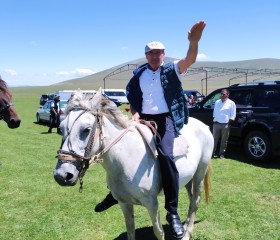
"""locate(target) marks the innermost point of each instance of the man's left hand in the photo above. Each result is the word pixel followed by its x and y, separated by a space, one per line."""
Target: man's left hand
pixel 195 33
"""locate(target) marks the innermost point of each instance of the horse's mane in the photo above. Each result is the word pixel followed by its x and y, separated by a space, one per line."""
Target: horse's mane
pixel 101 106
pixel 4 86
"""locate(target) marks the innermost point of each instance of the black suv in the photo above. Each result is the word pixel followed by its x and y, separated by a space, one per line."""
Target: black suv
pixel 257 123
pixel 45 97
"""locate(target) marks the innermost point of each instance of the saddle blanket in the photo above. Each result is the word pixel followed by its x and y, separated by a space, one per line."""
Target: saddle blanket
pixel 180 143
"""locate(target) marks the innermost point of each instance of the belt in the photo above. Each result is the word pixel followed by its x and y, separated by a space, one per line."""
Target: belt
pixel 143 115
pixel 219 123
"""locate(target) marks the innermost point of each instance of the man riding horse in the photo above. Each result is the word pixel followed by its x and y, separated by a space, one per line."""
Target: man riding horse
pixel 155 93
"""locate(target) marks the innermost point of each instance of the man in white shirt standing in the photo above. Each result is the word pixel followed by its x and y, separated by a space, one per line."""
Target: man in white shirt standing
pixel 224 114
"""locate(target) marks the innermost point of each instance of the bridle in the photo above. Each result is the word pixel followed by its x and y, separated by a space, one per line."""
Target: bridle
pixel 95 134
pixel 4 109
pixel 87 159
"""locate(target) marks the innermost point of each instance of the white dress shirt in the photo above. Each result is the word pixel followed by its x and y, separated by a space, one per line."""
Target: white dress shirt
pixel 153 95
pixel 224 111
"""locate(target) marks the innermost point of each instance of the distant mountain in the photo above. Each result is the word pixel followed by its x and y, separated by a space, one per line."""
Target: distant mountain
pixel 263 63
pixel 118 76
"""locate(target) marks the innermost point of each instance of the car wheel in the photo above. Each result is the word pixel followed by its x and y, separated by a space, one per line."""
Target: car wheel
pixel 38 118
pixel 257 146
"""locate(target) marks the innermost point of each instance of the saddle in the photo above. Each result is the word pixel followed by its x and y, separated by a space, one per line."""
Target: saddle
pixel 148 130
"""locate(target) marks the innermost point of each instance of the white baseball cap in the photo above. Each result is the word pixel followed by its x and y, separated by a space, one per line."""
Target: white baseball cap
pixel 154 45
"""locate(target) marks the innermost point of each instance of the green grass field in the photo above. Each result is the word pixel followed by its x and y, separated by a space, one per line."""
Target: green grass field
pixel 245 197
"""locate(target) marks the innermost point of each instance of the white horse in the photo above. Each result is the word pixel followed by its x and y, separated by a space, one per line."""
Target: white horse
pixel 93 129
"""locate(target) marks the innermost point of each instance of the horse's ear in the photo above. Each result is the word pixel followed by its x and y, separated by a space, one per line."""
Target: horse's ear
pixel 97 98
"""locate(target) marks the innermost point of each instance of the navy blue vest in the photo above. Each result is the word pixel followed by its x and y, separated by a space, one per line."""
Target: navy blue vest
pixel 173 94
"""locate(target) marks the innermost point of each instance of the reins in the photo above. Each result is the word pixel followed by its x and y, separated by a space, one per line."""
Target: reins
pixel 95 134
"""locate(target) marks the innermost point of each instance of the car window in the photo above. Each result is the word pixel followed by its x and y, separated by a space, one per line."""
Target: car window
pixel 62 104
pixel 241 98
pixel 46 105
pixel 210 103
pixel 109 93
pixel 269 97
pixel 65 95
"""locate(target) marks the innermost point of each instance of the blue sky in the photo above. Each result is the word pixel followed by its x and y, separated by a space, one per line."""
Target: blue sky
pixel 47 41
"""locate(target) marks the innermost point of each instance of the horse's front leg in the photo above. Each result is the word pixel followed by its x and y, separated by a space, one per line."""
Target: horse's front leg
pixel 153 209
pixel 128 213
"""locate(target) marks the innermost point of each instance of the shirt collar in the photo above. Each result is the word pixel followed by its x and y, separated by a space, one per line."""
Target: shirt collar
pixel 149 67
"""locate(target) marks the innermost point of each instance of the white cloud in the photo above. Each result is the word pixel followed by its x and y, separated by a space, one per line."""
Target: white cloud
pixel 201 56
pixel 83 71
pixel 63 73
pixel 123 48
pixel 11 72
pixel 76 72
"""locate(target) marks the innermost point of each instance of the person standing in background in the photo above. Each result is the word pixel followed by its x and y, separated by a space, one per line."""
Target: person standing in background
pixel 224 114
pixel 55 115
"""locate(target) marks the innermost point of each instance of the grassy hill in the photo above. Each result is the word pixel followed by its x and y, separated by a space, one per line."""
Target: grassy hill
pixel 245 196
pixel 219 74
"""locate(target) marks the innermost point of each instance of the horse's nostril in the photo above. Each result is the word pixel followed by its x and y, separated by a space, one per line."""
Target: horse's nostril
pixel 15 123
pixel 69 176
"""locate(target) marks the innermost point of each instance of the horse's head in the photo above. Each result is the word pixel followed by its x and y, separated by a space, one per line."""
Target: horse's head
pixel 80 129
pixel 7 110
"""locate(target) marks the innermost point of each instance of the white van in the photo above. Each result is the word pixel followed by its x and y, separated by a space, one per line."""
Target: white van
pixel 119 94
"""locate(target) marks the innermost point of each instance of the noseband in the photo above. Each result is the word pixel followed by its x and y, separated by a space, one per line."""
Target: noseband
pixel 95 134
pixel 86 160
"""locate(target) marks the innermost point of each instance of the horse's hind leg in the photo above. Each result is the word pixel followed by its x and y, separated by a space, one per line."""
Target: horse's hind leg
pixel 194 197
pixel 154 213
pixel 128 212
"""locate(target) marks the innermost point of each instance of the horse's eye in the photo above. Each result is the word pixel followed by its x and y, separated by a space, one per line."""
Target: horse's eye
pixel 87 130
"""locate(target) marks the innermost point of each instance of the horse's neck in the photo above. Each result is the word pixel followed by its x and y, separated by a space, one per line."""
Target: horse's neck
pixel 129 163
pixel 110 128
pixel 112 135
pixel 126 144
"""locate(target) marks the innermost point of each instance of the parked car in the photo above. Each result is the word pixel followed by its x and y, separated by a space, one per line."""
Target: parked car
pixel 257 123
pixel 43 113
pixel 62 107
pixel 66 94
pixel 114 100
pixel 119 94
pixel 193 96
pixel 45 97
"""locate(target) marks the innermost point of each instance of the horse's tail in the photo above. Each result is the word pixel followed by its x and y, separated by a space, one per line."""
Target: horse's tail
pixel 207 183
